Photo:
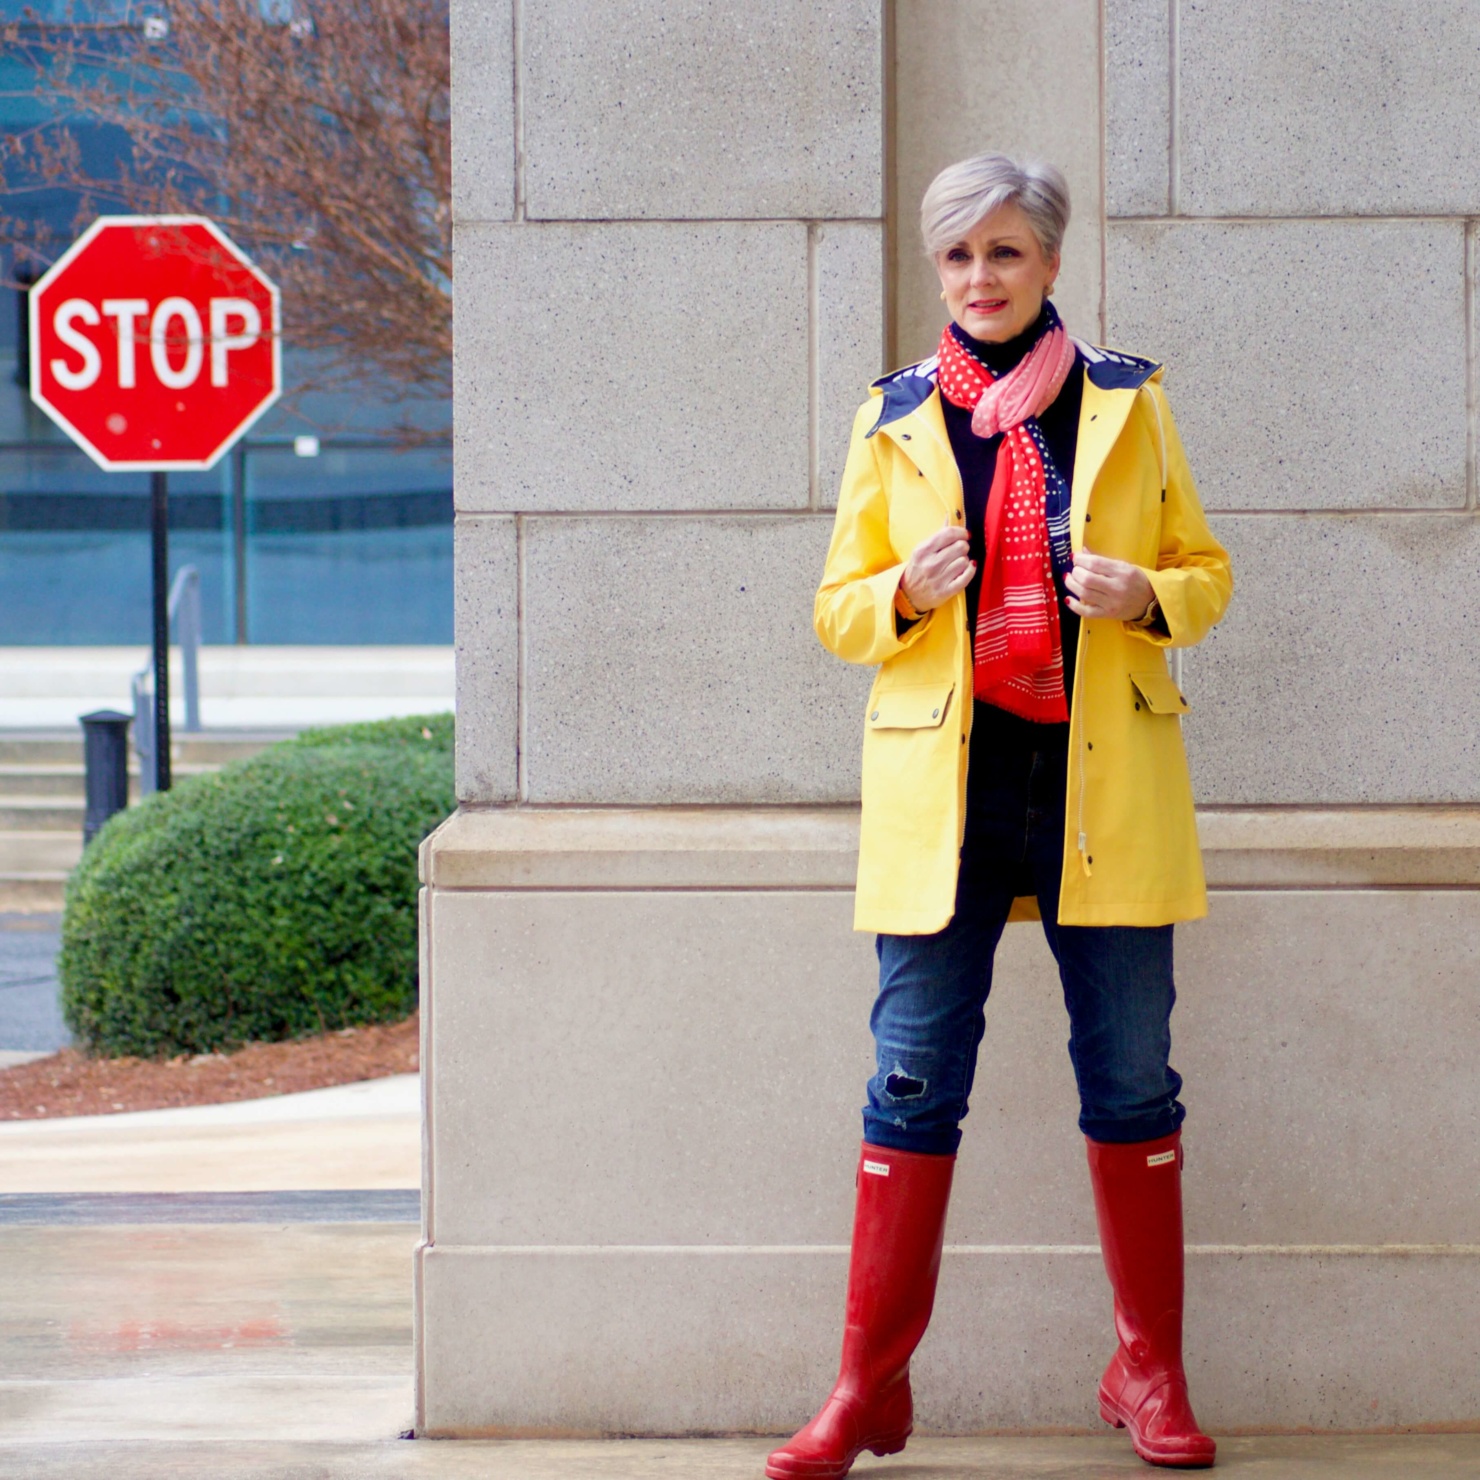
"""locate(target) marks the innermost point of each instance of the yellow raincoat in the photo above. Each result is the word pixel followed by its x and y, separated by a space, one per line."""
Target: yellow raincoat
pixel 1131 854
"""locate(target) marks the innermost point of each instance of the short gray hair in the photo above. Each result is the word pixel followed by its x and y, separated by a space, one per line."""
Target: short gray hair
pixel 962 194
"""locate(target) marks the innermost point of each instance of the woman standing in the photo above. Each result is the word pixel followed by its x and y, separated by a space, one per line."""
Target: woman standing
pixel 1018 540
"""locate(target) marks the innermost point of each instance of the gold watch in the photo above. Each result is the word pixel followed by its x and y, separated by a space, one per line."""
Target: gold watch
pixel 905 607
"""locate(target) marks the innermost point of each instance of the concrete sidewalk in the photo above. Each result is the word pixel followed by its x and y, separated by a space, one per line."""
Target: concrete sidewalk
pixel 279 1349
pixel 365 1135
pixel 159 1318
pixel 1102 1458
pixel 253 687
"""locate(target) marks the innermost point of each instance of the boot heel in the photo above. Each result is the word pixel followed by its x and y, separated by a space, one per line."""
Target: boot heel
pixel 890 1446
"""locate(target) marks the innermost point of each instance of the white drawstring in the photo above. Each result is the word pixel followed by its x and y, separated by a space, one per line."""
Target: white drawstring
pixel 1083 749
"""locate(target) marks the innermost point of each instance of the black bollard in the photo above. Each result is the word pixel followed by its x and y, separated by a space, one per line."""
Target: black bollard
pixel 105 753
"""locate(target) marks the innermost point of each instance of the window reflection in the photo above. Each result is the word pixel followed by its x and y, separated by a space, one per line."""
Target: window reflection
pixel 351 546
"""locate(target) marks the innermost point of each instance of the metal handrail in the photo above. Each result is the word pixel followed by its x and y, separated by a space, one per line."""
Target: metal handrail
pixel 184 606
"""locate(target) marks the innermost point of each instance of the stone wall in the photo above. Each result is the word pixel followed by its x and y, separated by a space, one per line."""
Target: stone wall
pixel 648 1035
pixel 669 249
pixel 685 242
pixel 1290 191
pixel 671 295
pixel 1022 78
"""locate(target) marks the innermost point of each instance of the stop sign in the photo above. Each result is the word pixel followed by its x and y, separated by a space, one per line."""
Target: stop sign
pixel 155 343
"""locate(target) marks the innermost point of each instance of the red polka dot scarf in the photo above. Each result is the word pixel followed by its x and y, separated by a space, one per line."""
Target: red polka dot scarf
pixel 1017 656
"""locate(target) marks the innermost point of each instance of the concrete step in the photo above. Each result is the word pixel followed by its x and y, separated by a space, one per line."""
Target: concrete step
pixel 32 894
pixel 35 861
pixel 41 814
pixel 43 778
pixel 36 853
pixel 70 782
pixel 42 803
pixel 41 747
pixel 27 749
pixel 42 800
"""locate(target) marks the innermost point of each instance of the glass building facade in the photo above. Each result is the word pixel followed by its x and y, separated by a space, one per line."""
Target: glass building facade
pixel 313 529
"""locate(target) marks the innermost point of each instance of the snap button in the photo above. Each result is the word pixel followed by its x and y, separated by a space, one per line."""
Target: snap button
pixel 959 514
pixel 935 714
pixel 874 715
pixel 905 435
pixel 1087 518
pixel 1091 745
pixel 1138 703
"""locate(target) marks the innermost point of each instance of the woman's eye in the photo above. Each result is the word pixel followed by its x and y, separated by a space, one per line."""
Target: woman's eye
pixel 1006 252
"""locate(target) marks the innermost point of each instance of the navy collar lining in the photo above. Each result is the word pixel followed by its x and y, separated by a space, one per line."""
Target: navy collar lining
pixel 905 390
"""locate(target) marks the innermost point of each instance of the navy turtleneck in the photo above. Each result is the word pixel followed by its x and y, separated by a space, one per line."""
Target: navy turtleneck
pixel 976 458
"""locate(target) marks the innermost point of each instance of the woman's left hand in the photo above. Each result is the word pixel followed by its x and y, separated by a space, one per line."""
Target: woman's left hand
pixel 1101 587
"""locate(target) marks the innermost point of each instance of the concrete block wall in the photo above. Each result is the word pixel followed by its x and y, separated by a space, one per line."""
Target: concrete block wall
pixel 669 249
pixel 664 323
pixel 1023 78
pixel 1291 202
pixel 648 1036
pixel 685 242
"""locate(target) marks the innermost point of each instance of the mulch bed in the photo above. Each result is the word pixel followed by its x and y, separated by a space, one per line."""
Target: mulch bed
pixel 70 1083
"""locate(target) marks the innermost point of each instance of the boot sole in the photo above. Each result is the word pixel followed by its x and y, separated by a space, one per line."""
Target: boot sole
pixel 820 1470
pixel 1170 1460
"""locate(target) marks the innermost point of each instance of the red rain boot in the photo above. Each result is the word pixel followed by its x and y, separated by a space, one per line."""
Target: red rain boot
pixel 1138 1200
pixel 898 1226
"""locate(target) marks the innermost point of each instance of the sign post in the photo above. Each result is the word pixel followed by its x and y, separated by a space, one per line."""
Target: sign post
pixel 155 344
pixel 159 550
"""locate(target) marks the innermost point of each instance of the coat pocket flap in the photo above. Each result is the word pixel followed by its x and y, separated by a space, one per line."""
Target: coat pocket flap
pixel 1162 696
pixel 920 707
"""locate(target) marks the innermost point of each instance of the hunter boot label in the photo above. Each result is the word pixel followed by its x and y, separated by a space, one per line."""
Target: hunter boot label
pixel 1161 1158
pixel 878 1168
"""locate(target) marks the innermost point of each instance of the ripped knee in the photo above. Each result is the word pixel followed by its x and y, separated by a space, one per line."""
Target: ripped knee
pixel 901 1086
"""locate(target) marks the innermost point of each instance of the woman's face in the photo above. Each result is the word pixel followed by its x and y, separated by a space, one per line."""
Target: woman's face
pixel 996 277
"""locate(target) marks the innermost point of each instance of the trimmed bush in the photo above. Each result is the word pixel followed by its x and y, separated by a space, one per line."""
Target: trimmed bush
pixel 415 732
pixel 273 899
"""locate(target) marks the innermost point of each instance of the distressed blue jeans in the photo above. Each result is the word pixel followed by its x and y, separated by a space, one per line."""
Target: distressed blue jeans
pixel 928 1019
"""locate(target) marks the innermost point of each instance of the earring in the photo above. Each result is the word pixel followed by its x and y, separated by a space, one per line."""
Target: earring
pixel 942 295
pixel 1048 292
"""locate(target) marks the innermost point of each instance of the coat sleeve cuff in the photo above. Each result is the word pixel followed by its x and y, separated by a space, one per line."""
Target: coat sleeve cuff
pixel 1159 633
pixel 903 635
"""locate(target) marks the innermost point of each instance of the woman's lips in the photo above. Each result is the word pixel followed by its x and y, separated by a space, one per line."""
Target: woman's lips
pixel 987 305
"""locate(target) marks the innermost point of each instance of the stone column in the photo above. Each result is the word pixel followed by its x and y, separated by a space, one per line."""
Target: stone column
pixel 1289 193
pixel 645 1014
pixel 669 235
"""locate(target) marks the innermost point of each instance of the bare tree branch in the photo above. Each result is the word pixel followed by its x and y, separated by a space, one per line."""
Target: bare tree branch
pixel 319 141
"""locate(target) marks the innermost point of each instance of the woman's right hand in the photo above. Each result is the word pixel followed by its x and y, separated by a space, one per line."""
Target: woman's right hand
pixel 940 567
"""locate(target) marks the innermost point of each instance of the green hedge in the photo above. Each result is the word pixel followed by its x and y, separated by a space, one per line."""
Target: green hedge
pixel 273 899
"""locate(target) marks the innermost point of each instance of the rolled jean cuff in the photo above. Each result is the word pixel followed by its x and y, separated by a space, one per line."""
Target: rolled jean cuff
pixel 901 1138
pixel 1126 1132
